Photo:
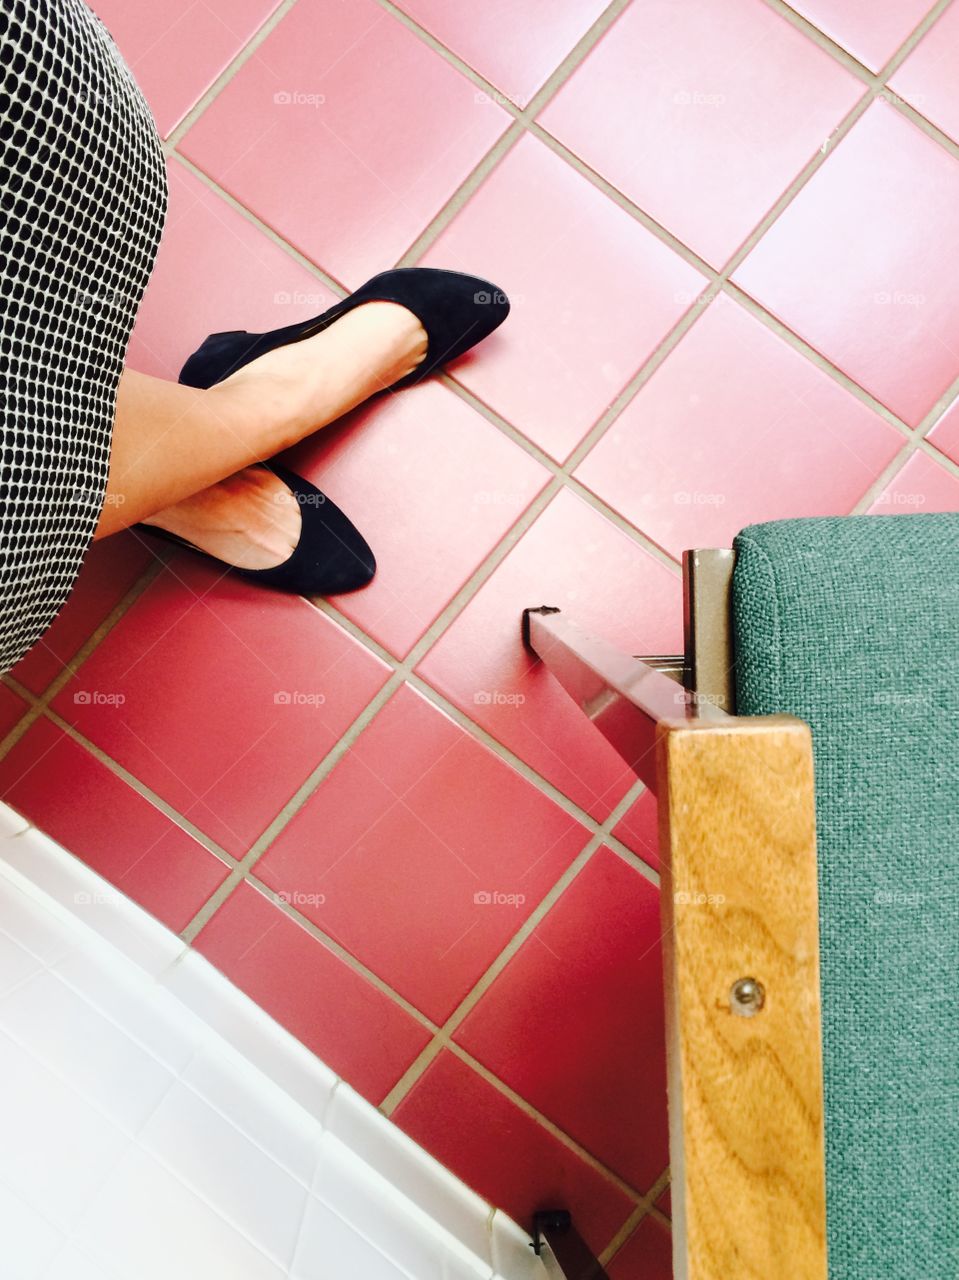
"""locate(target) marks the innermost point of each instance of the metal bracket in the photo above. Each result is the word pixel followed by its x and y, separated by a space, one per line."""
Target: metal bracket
pixel 542 610
pixel 555 1237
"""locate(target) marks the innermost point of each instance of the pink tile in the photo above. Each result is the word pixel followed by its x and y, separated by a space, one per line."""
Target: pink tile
pixel 434 487
pixel 719 108
pixel 736 427
pixel 646 1255
pixel 574 558
pixel 639 829
pixel 177 49
pixel 109 571
pixel 80 803
pixel 864 264
pixel 12 710
pixel 573 264
pixel 945 434
pixel 504 1154
pixel 598 1070
pixel 357 1030
pixel 306 135
pixel 220 696
pixel 872 30
pixel 421 877
pixel 928 77
pixel 541 34
pixel 922 485
pixel 215 271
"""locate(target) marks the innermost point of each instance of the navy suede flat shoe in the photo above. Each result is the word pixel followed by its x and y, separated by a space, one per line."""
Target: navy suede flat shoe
pixel 457 311
pixel 331 556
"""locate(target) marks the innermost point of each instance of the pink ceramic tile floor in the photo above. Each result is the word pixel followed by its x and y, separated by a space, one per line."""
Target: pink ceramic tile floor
pixel 376 814
pixel 929 78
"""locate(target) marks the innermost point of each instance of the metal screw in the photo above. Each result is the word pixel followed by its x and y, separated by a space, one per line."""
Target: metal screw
pixel 747 997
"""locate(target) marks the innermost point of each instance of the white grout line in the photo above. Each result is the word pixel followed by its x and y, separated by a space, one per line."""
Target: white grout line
pixel 848 60
pixel 262 227
pixel 39 702
pixel 242 57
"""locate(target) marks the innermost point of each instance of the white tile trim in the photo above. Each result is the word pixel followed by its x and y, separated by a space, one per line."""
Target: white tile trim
pixel 459 1228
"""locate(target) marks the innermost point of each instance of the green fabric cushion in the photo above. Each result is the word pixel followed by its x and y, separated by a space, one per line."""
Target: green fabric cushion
pixel 853 625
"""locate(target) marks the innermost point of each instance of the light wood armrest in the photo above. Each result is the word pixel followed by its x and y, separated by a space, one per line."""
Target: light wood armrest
pixel 740 901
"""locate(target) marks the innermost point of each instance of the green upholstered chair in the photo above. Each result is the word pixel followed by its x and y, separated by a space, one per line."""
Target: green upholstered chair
pixel 838 642
pixel 853 626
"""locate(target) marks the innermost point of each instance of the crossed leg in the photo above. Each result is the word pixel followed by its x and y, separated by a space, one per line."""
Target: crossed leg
pixel 182 457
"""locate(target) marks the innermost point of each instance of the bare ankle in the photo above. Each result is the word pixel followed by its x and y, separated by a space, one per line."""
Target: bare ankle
pixel 261 409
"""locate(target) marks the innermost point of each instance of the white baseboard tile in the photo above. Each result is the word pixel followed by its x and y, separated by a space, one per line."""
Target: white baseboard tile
pixel 402 1162
pixel 203 1138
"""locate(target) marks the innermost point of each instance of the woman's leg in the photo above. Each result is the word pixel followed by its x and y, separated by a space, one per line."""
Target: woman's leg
pixel 177 450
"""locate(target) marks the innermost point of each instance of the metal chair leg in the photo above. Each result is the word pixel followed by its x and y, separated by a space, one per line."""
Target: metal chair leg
pixel 563 1250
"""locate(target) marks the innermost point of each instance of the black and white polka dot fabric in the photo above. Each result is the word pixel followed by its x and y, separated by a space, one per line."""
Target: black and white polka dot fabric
pixel 83 197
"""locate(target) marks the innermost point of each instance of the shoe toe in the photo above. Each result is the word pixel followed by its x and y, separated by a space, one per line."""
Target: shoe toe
pixel 331 555
pixel 479 305
pixel 468 309
pixel 348 563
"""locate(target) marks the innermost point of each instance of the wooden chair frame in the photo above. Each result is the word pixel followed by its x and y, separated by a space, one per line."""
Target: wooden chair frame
pixel 740 933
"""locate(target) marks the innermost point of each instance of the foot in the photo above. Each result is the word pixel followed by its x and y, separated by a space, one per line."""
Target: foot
pixel 250 520
pixel 307 384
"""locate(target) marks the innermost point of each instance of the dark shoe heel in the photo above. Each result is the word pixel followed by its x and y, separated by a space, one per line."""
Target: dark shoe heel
pixel 216 358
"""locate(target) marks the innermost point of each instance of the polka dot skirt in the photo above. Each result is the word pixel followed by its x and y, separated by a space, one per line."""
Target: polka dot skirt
pixel 83 197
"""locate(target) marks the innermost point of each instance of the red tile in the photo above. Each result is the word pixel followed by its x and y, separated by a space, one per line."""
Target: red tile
pixel 945 434
pixel 574 1024
pixel 718 108
pixel 434 487
pixel 504 1154
pixel 573 264
pixel 177 49
pixel 82 805
pixel 736 427
pixel 421 876
pixel 646 1255
pixel 12 710
pixel 639 829
pixel 109 571
pixel 220 696
pixel 574 558
pixel 665 1202
pixel 864 264
pixel 928 77
pixel 541 34
pixel 922 485
pixel 346 133
pixel 872 30
pixel 215 271
pixel 359 1032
